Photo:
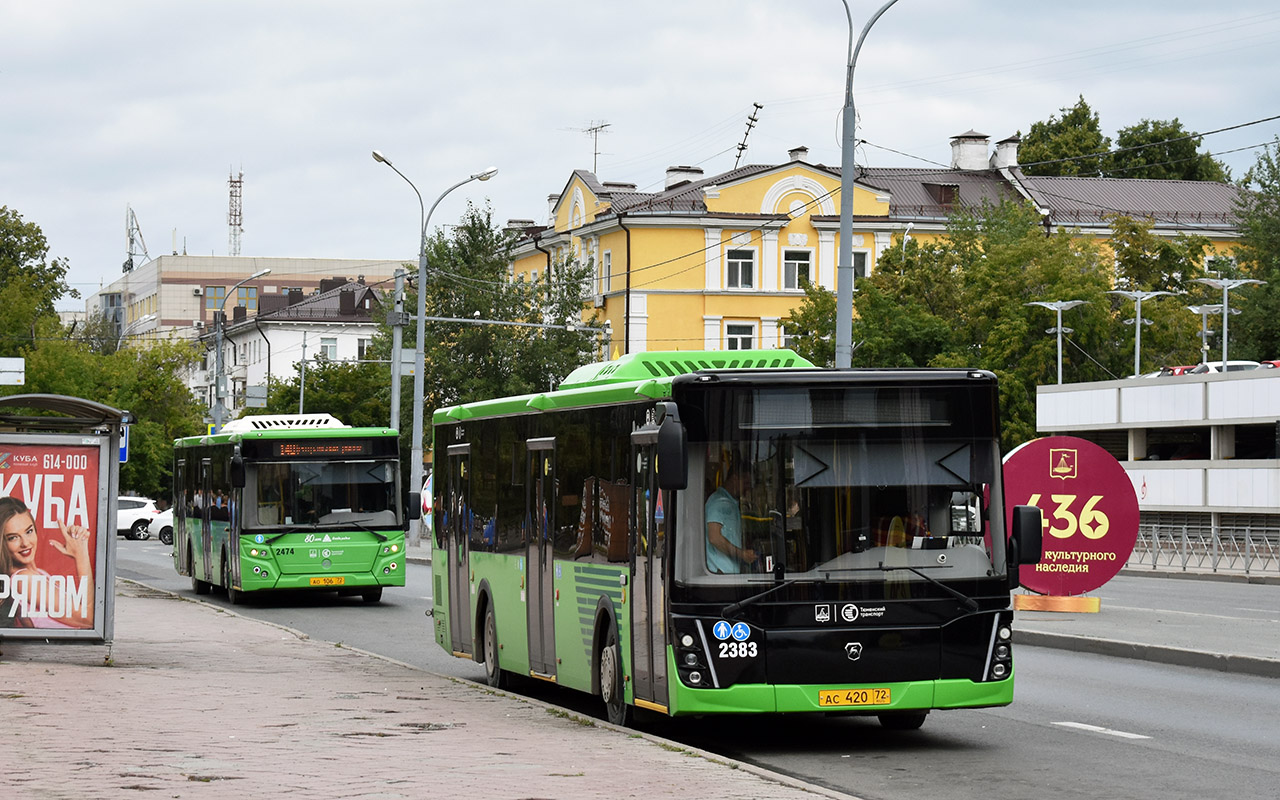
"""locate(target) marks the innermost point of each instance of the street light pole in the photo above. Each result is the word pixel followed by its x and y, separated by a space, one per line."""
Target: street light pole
pixel 415 462
pixel 1227 285
pixel 1204 311
pixel 1059 306
pixel 848 146
pixel 219 380
pixel 1137 298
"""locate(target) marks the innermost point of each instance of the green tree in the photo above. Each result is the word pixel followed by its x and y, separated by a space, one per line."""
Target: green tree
pixel 30 282
pixel 811 326
pixel 1164 150
pixel 356 393
pixel 1255 333
pixel 1077 136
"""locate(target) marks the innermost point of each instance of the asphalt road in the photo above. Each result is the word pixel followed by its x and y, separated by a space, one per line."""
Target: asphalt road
pixel 1081 726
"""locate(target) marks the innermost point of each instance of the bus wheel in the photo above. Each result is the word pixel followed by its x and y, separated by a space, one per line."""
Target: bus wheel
pixel 198 586
pixel 903 720
pixel 233 597
pixel 615 702
pixel 493 674
pixel 373 595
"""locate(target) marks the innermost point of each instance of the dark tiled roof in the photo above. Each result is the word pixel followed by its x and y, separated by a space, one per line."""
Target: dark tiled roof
pixel 328 306
pixel 1176 203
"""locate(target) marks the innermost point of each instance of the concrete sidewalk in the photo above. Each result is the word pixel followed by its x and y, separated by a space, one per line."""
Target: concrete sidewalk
pixel 201 702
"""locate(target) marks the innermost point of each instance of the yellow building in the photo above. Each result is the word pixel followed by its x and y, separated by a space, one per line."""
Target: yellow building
pixel 715 263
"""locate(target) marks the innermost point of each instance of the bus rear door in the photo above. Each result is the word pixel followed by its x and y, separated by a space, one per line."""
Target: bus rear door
pixel 540 511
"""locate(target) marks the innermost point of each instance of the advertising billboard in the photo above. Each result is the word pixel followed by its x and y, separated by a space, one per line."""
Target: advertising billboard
pixel 1089 508
pixel 54 535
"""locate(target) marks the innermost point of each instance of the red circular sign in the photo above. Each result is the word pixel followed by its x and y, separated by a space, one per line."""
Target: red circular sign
pixel 1089 508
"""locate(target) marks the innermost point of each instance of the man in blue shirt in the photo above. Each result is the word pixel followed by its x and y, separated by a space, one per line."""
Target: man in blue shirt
pixel 725 553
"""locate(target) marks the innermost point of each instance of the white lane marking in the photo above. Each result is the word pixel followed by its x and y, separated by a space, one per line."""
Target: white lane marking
pixel 1184 613
pixel 1096 729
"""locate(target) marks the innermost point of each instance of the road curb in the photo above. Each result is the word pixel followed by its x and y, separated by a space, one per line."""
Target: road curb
pixel 1200 659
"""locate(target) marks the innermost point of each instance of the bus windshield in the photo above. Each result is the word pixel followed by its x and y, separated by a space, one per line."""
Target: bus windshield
pixel 841 482
pixel 322 493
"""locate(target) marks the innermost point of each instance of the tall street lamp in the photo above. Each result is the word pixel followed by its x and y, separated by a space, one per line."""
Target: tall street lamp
pixel 219 379
pixel 128 329
pixel 415 459
pixel 1205 311
pixel 1058 306
pixel 1226 285
pixel 848 144
pixel 1138 321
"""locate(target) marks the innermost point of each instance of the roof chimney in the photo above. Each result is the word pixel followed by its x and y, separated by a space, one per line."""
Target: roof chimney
pixel 1006 154
pixel 798 153
pixel 969 151
pixel 346 303
pixel 679 175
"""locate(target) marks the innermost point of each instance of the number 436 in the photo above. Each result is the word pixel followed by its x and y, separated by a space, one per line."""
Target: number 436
pixel 1092 521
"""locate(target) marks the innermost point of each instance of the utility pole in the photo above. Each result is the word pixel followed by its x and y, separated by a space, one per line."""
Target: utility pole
pixel 397 334
pixel 302 376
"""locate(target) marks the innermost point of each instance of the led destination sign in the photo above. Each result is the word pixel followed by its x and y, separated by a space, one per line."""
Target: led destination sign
pixel 322 449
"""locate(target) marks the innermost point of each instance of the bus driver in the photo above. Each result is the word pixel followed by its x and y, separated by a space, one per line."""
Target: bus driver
pixel 725 553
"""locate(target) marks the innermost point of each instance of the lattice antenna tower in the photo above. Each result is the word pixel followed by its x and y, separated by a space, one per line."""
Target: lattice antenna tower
pixel 234 218
pixel 594 129
pixel 751 123
pixel 135 246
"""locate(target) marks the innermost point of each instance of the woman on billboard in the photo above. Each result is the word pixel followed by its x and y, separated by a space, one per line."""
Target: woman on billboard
pixel 40 599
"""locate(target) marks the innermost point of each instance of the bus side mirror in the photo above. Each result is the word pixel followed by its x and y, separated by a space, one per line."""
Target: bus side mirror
pixel 672 462
pixel 237 472
pixel 1028 534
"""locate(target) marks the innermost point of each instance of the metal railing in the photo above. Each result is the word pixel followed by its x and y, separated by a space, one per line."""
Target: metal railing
pixel 1195 548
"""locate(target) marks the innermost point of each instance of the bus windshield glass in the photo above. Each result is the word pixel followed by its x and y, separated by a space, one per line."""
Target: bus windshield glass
pixel 841 482
pixel 322 493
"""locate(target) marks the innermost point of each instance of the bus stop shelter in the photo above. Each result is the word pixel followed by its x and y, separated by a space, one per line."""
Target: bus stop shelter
pixel 59 479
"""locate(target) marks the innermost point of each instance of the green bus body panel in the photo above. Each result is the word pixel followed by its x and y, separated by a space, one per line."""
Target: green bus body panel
pixel 579 587
pixel 291 562
pixel 755 698
pixel 505 575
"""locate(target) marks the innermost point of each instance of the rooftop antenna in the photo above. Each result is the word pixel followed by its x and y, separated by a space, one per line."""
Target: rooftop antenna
pixel 236 182
pixel 136 247
pixel 751 123
pixel 594 129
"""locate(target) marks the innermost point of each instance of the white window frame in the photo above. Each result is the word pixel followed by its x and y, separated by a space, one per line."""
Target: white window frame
pixel 605 283
pixel 733 338
pixel 329 346
pixel 791 280
pixel 730 263
pixel 865 257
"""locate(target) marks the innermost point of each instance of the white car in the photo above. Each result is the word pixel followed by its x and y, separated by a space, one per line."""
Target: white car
pixel 133 515
pixel 1232 366
pixel 162 526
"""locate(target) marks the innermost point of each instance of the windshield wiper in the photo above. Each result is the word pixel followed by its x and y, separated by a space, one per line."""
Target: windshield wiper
pixel 291 529
pixel 968 602
pixel 357 523
pixel 733 608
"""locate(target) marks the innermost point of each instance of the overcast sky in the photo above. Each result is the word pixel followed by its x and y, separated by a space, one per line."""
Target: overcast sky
pixel 152 105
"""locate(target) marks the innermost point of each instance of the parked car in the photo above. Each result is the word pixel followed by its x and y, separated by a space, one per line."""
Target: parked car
pixel 428 507
pixel 1232 366
pixel 1165 371
pixel 162 526
pixel 1269 365
pixel 133 515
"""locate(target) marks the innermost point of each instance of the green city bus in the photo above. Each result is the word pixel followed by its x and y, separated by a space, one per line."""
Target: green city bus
pixel 284 501
pixel 570 543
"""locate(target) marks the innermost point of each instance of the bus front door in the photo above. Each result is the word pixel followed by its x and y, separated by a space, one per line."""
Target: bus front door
pixel 648 601
pixel 540 512
pixel 457 541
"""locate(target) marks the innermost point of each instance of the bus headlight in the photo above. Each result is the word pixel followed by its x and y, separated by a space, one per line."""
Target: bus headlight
pixel 1000 671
